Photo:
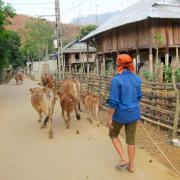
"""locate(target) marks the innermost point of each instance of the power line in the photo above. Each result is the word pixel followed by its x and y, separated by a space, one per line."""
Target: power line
pixel 32 4
pixel 48 15
pixel 78 5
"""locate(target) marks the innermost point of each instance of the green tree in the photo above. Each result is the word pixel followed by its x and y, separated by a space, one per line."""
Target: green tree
pixel 39 38
pixel 84 30
pixel 9 48
pixel 6 13
pixel 13 44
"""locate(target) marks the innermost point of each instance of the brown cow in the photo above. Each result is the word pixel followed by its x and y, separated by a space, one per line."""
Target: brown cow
pixel 19 78
pixel 46 79
pixel 69 95
pixel 43 101
pixel 91 103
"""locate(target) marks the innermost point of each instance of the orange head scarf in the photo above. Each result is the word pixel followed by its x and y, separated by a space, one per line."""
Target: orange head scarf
pixel 124 61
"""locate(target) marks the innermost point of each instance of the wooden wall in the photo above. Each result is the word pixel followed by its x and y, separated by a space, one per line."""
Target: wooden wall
pixel 176 31
pixel 140 34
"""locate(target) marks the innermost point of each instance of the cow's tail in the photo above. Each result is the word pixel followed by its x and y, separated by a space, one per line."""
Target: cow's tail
pixel 79 106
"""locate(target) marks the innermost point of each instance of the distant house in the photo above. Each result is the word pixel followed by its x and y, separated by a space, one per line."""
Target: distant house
pixel 77 56
pixel 145 30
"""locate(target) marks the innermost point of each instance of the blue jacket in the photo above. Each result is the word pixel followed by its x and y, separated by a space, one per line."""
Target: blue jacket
pixel 125 96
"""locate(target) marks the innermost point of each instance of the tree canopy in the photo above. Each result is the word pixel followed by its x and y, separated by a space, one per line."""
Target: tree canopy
pixel 9 40
pixel 6 12
pixel 39 38
pixel 84 30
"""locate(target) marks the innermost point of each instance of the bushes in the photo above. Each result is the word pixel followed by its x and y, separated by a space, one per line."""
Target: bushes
pixel 177 74
pixel 149 76
pixel 167 74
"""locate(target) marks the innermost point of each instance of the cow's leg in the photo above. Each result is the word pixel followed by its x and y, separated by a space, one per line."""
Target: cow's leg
pixel 50 124
pixel 97 113
pixel 89 114
pixel 75 103
pixel 50 128
pixel 68 119
pixel 78 117
pixel 86 110
pixel 45 121
pixel 64 117
pixel 77 126
pixel 40 117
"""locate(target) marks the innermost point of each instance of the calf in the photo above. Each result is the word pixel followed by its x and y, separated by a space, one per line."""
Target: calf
pixel 43 101
pixel 46 79
pixel 91 103
pixel 69 95
pixel 19 78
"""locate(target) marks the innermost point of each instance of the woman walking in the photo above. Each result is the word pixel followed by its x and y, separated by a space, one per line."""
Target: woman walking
pixel 124 108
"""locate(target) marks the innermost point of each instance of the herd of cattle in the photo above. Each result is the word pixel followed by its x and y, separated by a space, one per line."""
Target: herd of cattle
pixel 44 97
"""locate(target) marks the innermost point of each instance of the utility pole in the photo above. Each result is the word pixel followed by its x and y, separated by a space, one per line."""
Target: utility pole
pixel 60 64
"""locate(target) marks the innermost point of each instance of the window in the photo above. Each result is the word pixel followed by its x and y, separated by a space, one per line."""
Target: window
pixel 77 56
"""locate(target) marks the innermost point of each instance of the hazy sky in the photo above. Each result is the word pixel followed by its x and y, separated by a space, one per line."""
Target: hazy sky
pixel 69 8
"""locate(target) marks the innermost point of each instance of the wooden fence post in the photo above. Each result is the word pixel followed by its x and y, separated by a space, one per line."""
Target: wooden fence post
pixel 97 66
pixel 177 55
pixel 88 68
pixel 167 59
pixel 150 60
pixel 104 65
pixel 177 112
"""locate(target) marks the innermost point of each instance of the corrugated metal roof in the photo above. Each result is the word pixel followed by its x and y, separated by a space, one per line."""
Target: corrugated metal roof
pixel 76 47
pixel 138 12
pixel 70 44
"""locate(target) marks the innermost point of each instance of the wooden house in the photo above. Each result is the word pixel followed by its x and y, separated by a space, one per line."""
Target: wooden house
pixel 148 30
pixel 77 57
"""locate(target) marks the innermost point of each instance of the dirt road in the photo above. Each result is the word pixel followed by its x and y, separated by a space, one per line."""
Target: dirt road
pixel 26 152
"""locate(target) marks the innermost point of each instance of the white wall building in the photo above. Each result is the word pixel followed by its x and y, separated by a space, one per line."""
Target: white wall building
pixel 39 67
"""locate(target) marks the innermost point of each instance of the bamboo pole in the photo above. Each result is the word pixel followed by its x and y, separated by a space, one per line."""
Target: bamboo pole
pixel 75 69
pixel 97 66
pixel 150 60
pixel 167 49
pixel 158 123
pixel 88 68
pixel 158 109
pixel 104 68
pixel 177 112
pixel 167 59
pixel 177 54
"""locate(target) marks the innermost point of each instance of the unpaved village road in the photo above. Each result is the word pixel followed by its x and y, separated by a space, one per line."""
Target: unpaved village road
pixel 26 152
